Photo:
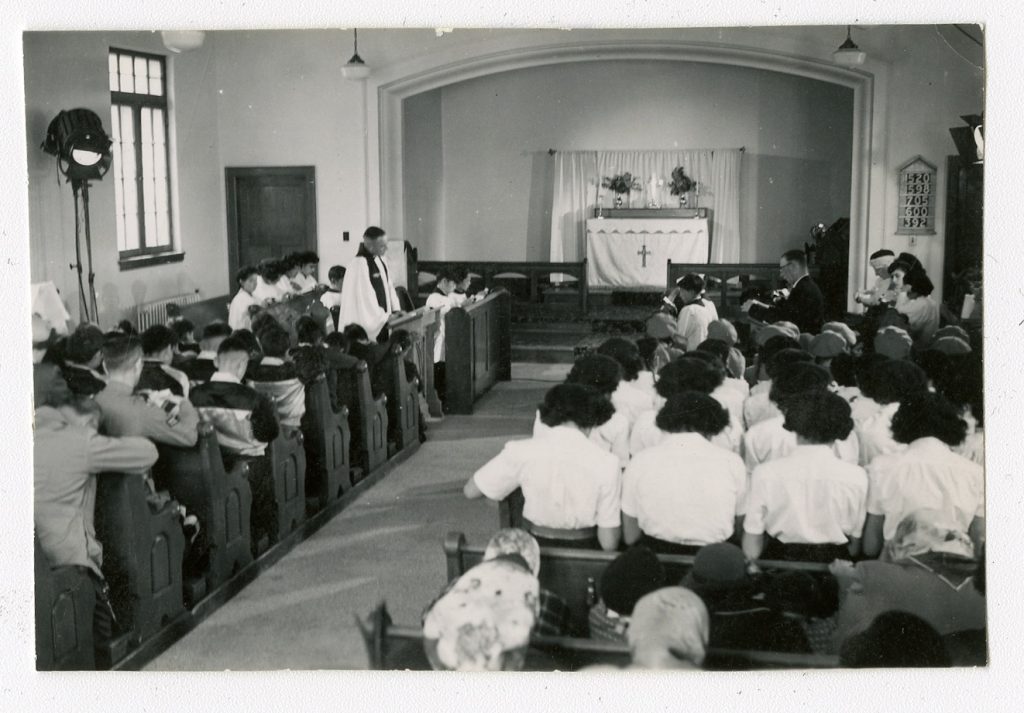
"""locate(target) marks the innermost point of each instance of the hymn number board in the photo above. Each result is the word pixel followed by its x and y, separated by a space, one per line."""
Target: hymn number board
pixel 916 214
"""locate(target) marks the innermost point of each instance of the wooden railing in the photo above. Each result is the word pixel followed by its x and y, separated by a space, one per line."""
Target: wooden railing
pixel 499 274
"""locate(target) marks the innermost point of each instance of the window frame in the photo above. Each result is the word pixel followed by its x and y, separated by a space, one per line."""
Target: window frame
pixel 136 102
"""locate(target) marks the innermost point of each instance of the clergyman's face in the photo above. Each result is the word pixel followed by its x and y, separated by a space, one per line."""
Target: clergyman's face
pixel 377 246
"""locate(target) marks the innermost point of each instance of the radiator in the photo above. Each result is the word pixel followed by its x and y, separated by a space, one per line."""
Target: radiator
pixel 150 313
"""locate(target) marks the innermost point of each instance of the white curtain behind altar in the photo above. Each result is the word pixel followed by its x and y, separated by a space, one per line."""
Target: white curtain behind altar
pixel 577 187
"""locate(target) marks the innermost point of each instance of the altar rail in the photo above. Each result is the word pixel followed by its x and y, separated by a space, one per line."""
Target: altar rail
pixel 726 282
pixel 497 274
pixel 478 349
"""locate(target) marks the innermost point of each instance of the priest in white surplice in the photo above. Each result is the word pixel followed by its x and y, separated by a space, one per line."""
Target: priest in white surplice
pixel 368 296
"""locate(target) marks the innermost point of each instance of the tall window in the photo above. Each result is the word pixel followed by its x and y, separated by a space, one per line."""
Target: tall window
pixel 138 117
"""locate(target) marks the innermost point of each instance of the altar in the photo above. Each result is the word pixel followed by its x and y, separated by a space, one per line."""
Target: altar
pixel 632 252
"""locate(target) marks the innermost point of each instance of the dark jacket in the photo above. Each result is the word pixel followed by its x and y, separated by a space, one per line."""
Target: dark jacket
pixel 246 421
pixel 805 307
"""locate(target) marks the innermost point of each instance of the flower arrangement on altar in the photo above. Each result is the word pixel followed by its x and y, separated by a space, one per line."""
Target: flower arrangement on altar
pixel 680 183
pixel 621 183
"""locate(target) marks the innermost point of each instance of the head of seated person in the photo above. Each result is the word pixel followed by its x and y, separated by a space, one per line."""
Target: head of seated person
pixel 783 358
pixel 962 383
pixel 688 373
pixel 768 348
pixel 626 353
pixel 263 320
pixel 928 415
pixel 717 348
pixel 247 337
pixel 48 386
pixel 232 357
pixel 84 346
pixel 337 341
pixel 270 270
pixel 575 406
pixel 629 577
pixel 895 639
pixel 213 334
pixel 291 264
pixel 692 412
pixel 598 371
pixel 818 417
pixel 669 629
pixel 309 331
pixel 184 332
pixel 158 344
pixel 447 279
pixel 402 339
pixel 843 369
pixel 864 367
pixel 895 380
pixel 483 622
pixel 274 341
pixel 719 573
pixel 336 276
pixel 122 359
pixel 355 334
pixel 647 346
pixel 797 378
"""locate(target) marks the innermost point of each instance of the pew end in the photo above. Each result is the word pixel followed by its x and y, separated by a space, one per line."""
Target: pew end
pixel 326 438
pixel 64 603
pixel 368 420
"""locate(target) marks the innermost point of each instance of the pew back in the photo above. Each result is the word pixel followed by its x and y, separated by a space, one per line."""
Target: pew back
pixel 368 419
pixel 422 325
pixel 326 438
pixel 64 601
pixel 288 469
pixel 478 350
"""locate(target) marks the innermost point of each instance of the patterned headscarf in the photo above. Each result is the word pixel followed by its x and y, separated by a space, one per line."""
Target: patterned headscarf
pixel 924 531
pixel 483 622
pixel 513 541
pixel 669 629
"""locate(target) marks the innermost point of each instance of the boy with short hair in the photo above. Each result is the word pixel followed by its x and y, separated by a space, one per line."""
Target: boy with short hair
pixel 331 298
pixel 267 290
pixel 290 265
pixel 306 279
pixel 441 299
pixel 157 354
pixel 276 378
pixel 243 304
pixel 200 369
pixel 82 359
pixel 185 346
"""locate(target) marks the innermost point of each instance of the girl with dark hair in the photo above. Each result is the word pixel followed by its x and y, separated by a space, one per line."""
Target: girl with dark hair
pixel 629 398
pixel 758 406
pixel 684 492
pixel 916 303
pixel 808 504
pixel 926 474
pixel 570 485
pixel 890 382
pixel 267 290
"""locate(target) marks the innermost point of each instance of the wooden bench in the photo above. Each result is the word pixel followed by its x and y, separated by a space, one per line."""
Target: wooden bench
pixel 64 599
pixel 535 276
pixel 221 499
pixel 392 648
pixel 567 571
pixel 288 469
pixel 423 325
pixel 326 439
pixel 478 350
pixel 142 554
pixel 367 418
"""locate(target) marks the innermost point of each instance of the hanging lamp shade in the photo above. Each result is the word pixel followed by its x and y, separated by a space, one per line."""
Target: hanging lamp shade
pixel 849 54
pixel 355 69
pixel 182 40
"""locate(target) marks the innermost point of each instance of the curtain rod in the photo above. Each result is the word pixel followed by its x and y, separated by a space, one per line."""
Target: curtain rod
pixel 552 152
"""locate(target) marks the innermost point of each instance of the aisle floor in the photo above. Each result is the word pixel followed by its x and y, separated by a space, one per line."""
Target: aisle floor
pixel 300 614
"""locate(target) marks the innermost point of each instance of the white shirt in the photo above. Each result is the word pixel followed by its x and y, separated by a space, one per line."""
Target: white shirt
pixel 732 401
pixel 567 481
pixel 439 301
pixel 808 496
pixel 926 475
pixel 306 283
pixel 758 407
pixel 646 434
pixel 923 315
pixel 238 312
pixel 645 382
pixel 265 293
pixel 692 324
pixel 611 436
pixel 685 490
pixel 630 399
pixel 875 434
pixel 287 284
pixel 862 408
pixel 769 440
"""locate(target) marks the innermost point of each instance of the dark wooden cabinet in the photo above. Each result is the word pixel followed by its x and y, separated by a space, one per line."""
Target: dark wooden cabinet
pixel 965 183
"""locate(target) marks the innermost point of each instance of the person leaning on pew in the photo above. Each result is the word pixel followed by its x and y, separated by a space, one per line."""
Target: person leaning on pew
pixel 570 485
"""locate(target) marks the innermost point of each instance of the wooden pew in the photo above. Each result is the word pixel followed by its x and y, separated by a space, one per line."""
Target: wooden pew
pixel 220 498
pixel 326 439
pixel 478 350
pixel 403 402
pixel 393 648
pixel 566 571
pixel 288 469
pixel 423 325
pixel 367 418
pixel 64 600
pixel 536 276
pixel 142 554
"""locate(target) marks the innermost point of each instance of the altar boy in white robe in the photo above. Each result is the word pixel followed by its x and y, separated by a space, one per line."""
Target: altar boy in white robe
pixel 368 296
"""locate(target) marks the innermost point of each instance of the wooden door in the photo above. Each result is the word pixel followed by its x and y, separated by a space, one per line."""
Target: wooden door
pixel 271 212
pixel 965 185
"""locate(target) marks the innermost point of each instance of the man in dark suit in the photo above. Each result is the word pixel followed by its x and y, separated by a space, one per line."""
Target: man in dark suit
pixel 804 306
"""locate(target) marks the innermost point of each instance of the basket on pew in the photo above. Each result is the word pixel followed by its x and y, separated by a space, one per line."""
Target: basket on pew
pixel 326 439
pixel 367 418
pixel 143 547
pixel 65 599
pixel 221 499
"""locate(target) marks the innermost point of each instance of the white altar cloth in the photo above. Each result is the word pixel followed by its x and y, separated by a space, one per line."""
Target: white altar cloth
pixel 633 252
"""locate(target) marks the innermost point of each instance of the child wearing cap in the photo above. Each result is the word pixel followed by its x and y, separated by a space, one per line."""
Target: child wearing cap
pixel 633 574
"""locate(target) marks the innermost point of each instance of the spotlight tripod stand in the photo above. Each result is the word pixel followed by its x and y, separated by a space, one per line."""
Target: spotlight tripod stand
pixel 86 302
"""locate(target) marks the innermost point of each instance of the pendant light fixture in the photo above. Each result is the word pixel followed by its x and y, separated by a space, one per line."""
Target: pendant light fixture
pixel 849 54
pixel 355 69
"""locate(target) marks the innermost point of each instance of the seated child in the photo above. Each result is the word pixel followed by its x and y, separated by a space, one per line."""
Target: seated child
pixel 243 304
pixel 82 359
pixel 267 290
pixel 630 576
pixel 290 265
pixel 200 369
pixel 306 279
pixel 157 354
pixel 185 346
pixel 275 377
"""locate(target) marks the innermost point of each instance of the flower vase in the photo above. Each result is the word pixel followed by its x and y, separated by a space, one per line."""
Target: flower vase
pixel 618 200
pixel 682 200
